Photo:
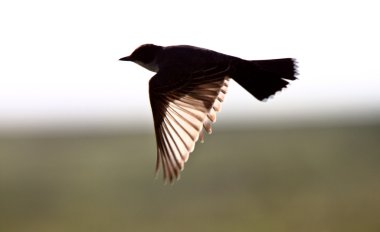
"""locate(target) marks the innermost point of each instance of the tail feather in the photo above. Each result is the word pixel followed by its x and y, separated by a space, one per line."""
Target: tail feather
pixel 263 78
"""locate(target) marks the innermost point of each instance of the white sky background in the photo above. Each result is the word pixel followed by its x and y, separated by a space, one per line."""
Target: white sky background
pixel 59 59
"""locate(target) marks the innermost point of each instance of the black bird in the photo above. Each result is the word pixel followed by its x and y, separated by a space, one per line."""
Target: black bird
pixel 188 88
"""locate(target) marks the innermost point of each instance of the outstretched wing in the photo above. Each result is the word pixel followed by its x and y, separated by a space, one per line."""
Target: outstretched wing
pixel 181 110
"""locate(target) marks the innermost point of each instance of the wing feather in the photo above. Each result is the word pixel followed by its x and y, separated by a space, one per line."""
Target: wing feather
pixel 182 113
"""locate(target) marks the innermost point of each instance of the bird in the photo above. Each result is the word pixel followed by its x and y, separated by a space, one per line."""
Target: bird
pixel 188 89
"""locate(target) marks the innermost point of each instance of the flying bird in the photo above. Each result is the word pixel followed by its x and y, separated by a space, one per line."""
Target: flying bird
pixel 188 88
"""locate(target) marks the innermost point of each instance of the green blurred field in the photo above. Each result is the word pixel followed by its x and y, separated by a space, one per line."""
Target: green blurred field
pixel 304 179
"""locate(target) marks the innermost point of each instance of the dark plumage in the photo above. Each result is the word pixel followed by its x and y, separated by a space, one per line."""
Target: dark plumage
pixel 189 87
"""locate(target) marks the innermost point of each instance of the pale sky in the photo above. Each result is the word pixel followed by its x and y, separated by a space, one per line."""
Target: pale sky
pixel 59 59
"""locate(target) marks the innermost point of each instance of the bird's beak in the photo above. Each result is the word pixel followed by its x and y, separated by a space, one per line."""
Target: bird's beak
pixel 127 58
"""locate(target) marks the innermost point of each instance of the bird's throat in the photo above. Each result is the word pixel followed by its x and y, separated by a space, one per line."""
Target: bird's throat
pixel 152 66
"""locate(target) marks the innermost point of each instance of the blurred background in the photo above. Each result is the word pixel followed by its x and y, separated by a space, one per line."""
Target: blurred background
pixel 77 147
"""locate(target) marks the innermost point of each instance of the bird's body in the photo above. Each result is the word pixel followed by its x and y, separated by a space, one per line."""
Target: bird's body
pixel 189 87
pixel 192 57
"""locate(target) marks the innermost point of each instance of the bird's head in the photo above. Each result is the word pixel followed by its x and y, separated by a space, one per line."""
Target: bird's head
pixel 144 54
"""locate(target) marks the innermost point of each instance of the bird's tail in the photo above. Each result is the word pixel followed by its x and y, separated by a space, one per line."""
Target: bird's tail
pixel 263 78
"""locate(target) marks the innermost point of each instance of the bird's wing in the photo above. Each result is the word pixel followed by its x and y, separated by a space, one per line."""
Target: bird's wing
pixel 181 109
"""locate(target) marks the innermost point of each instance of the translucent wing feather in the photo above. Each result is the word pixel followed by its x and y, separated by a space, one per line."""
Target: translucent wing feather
pixel 181 111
